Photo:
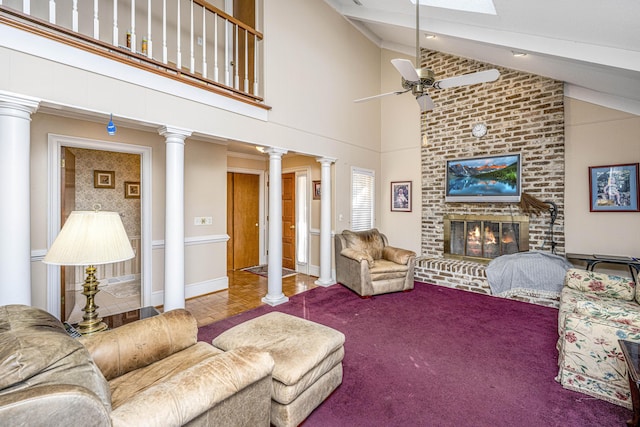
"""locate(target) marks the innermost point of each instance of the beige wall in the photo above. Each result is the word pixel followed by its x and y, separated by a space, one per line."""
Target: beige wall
pixel 400 157
pixel 597 136
pixel 205 185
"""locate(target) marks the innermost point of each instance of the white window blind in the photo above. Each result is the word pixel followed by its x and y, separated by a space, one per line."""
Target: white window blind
pixel 362 198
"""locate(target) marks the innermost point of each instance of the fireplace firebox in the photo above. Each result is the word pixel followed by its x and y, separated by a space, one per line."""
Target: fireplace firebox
pixel 484 237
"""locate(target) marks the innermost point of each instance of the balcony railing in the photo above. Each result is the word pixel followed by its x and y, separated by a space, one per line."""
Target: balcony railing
pixel 188 40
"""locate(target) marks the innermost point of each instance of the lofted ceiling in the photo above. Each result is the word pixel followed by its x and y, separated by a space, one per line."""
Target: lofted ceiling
pixel 591 45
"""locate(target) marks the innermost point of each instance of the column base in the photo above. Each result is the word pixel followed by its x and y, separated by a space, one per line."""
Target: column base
pixel 273 301
pixel 325 282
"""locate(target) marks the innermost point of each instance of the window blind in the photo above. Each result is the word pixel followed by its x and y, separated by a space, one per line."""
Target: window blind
pixel 362 199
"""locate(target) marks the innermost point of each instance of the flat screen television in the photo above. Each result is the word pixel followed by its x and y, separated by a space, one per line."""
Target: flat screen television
pixel 484 179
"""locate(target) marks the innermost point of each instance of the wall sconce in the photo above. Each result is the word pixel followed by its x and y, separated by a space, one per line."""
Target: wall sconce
pixel 111 128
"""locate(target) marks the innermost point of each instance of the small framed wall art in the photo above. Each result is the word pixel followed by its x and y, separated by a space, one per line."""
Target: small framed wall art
pixel 316 190
pixel 131 190
pixel 614 188
pixel 104 179
pixel 401 196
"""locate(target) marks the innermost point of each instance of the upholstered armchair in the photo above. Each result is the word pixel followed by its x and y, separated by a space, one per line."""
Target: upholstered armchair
pixel 596 310
pixel 366 264
pixel 152 372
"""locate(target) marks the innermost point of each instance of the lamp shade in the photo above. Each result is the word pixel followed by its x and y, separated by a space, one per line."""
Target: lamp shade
pixel 90 238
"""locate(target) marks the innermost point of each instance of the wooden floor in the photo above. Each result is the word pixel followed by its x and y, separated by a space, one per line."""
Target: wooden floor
pixel 245 292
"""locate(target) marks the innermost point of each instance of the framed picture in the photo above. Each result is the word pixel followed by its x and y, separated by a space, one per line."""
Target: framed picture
pixel 613 188
pixel 131 190
pixel 401 196
pixel 104 179
pixel 316 190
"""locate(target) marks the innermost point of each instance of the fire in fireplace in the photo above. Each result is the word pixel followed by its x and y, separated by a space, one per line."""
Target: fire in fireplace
pixel 484 237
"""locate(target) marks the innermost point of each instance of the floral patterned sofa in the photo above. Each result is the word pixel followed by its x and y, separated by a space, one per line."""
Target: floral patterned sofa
pixel 596 310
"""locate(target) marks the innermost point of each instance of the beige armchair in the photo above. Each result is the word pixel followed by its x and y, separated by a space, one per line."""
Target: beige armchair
pixel 366 264
pixel 152 372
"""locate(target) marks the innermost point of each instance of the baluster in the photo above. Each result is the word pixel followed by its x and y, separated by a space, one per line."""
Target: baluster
pixel 133 26
pixel 52 11
pixel 179 52
pixel 26 7
pixel 226 53
pixel 246 61
pixel 149 42
pixel 204 42
pixel 96 21
pixel 164 31
pixel 115 22
pixel 236 77
pixel 215 47
pixel 192 59
pixel 255 65
pixel 74 16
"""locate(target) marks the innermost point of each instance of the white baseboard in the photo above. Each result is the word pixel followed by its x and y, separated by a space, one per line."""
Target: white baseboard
pixel 195 289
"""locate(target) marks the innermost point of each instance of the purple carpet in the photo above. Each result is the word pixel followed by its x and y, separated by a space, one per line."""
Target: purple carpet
pixel 441 357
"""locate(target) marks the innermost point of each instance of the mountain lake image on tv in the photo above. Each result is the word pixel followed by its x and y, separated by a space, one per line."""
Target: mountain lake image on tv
pixel 484 179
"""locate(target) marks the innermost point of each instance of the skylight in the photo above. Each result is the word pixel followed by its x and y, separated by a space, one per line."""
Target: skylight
pixel 477 6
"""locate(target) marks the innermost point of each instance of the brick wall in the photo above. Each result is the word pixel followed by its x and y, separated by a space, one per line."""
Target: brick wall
pixel 524 113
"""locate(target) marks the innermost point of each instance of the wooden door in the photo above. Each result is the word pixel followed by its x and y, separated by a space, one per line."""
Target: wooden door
pixel 245 11
pixel 68 204
pixel 243 220
pixel 289 220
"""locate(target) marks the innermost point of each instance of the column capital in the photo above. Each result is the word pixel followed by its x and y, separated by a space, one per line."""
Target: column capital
pixel 273 151
pixel 22 103
pixel 174 132
pixel 326 160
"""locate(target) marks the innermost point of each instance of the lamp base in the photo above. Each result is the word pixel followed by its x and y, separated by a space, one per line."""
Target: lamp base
pixel 91 321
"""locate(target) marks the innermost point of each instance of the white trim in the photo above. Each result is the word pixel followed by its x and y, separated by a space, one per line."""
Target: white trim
pixel 194 290
pixel 196 240
pixel 55 142
pixel 42 47
pixel 261 158
pixel 627 105
pixel 262 217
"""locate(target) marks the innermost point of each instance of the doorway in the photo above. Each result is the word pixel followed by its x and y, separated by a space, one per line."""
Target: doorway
pixel 243 220
pixel 289 220
pixel 57 207
pixel 119 282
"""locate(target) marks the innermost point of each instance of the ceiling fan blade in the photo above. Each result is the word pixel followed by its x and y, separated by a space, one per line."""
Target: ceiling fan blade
pixel 425 102
pixel 369 98
pixel 468 79
pixel 406 69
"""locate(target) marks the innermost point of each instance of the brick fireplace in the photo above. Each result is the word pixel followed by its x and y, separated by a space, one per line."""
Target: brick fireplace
pixel 524 114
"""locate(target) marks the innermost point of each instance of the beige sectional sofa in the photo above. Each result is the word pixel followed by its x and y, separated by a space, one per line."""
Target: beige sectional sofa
pixel 152 372
pixel 596 310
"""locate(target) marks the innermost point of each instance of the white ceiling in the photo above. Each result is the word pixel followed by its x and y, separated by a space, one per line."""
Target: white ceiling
pixel 592 45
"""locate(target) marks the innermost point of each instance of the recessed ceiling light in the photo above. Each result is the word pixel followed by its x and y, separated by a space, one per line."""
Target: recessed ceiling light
pixel 518 54
pixel 429 36
pixel 357 2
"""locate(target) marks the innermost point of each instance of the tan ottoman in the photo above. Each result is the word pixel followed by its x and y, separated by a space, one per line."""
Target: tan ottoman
pixel 308 361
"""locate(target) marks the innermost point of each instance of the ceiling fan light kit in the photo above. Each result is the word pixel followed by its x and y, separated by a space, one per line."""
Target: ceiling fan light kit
pixel 419 80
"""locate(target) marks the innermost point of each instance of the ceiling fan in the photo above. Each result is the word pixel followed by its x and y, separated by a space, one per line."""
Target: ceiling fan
pixel 419 80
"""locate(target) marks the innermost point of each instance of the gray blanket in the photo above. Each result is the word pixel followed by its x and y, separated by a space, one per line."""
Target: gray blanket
pixel 531 273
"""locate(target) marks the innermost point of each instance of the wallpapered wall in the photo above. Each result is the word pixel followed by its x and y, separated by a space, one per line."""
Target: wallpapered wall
pixel 126 167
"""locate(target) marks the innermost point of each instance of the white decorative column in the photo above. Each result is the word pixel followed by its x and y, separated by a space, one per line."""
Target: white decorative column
pixel 274 281
pixel 174 217
pixel 15 192
pixel 325 278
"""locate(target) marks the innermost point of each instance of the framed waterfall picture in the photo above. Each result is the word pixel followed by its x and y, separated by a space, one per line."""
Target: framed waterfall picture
pixel 614 188
pixel 401 196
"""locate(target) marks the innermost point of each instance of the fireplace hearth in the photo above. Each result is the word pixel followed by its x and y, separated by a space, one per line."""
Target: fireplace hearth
pixel 484 237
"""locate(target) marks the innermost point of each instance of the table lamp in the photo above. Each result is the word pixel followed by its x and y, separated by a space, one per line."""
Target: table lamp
pixel 90 238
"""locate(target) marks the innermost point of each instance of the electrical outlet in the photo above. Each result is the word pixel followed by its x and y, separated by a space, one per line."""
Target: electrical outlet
pixel 199 41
